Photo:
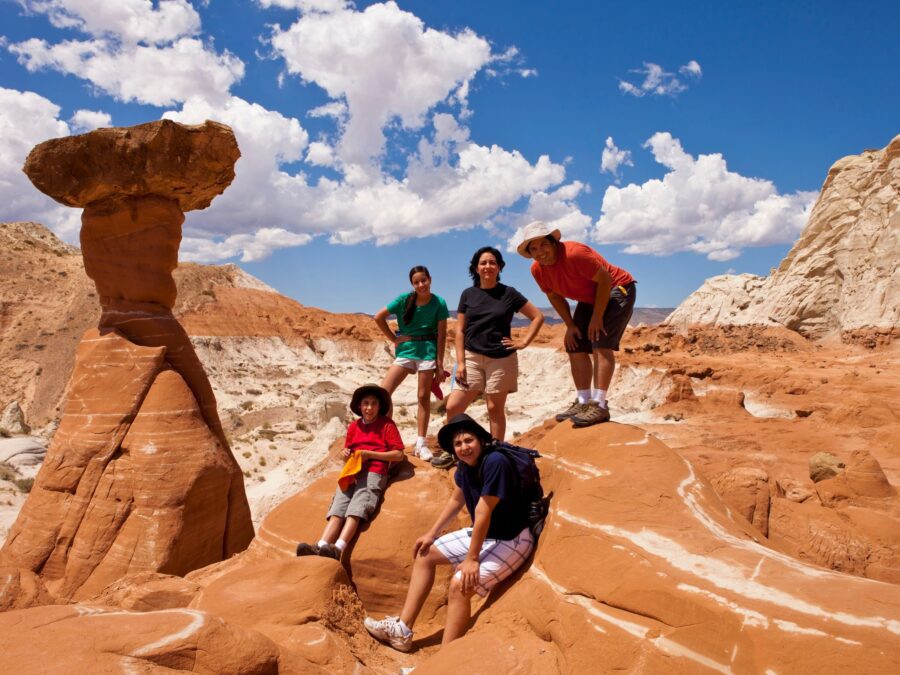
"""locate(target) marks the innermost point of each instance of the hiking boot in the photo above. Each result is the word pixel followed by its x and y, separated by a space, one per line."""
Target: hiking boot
pixel 423 452
pixel 389 632
pixel 593 413
pixel 307 549
pixel 329 551
pixel 443 460
pixel 571 411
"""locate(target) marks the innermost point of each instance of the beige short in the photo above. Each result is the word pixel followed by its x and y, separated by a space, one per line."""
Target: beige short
pixel 492 376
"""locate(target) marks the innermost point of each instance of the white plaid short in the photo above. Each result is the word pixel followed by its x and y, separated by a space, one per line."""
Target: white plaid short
pixel 498 558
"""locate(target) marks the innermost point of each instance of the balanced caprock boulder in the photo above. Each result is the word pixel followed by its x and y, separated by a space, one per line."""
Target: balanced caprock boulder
pixel 139 476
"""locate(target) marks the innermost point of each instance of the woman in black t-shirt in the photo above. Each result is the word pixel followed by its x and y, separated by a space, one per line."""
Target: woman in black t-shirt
pixel 485 350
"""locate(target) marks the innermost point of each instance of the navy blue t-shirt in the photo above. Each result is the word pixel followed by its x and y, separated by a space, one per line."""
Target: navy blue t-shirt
pixel 498 479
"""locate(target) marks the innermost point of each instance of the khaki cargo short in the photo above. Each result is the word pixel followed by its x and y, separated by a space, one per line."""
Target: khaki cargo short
pixel 492 376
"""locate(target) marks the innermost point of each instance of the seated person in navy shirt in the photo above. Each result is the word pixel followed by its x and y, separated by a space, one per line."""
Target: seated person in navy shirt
pixel 496 545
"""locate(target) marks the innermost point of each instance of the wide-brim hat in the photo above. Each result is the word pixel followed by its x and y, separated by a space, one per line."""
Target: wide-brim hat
pixel 461 422
pixel 536 230
pixel 384 398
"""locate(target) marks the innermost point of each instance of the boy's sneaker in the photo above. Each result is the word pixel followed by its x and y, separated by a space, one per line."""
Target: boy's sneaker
pixel 571 411
pixel 329 551
pixel 388 631
pixel 422 452
pixel 593 413
pixel 443 460
pixel 307 549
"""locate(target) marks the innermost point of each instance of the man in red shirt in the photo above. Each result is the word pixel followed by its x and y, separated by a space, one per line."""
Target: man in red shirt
pixel 605 295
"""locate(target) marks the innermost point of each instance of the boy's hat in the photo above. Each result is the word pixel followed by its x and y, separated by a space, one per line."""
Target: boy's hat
pixel 384 398
pixel 461 422
pixel 536 230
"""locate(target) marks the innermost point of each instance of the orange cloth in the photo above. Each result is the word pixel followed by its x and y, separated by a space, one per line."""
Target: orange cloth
pixel 351 467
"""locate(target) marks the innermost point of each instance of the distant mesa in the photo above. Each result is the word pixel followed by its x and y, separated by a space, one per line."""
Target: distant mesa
pixel 139 476
pixel 840 278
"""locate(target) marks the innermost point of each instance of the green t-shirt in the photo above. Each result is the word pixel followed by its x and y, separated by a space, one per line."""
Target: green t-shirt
pixel 424 322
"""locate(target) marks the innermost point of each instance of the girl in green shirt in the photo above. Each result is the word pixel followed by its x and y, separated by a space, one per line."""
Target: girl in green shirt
pixel 418 344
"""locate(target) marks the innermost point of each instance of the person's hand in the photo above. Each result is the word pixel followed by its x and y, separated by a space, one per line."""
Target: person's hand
pixel 422 545
pixel 468 572
pixel 595 327
pixel 573 335
pixel 461 376
pixel 346 452
pixel 515 345
pixel 399 339
pixel 439 372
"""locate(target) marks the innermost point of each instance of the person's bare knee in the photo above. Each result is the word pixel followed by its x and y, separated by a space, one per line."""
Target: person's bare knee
pixel 456 589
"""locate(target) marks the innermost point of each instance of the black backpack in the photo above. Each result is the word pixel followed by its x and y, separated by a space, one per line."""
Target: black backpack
pixel 523 459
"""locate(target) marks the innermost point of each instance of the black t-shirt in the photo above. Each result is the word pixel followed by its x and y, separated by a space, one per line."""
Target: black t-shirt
pixel 489 314
pixel 498 478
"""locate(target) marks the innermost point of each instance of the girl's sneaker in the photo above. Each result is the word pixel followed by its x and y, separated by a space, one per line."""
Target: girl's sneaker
pixel 422 452
pixel 388 631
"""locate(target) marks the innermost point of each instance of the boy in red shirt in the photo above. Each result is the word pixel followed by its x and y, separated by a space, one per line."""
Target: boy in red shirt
pixel 605 295
pixel 376 440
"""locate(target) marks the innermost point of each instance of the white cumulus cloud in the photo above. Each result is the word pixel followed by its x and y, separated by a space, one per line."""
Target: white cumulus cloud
pixel 87 120
pixel 701 206
pixel 384 64
pixel 659 82
pixel 450 183
pixel 691 68
pixel 558 209
pixel 27 119
pixel 158 75
pixel 399 162
pixel 130 21
pixel 612 158
pixel 251 247
pixel 306 5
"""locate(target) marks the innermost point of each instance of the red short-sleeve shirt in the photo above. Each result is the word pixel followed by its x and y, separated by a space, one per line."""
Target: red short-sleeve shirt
pixel 379 436
pixel 572 275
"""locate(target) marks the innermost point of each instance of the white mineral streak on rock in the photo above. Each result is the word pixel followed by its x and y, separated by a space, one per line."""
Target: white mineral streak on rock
pixel 728 576
pixel 583 471
pixel 196 623
pixel 664 644
pixel 840 275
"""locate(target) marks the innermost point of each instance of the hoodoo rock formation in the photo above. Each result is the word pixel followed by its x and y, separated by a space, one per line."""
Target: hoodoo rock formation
pixel 840 278
pixel 139 476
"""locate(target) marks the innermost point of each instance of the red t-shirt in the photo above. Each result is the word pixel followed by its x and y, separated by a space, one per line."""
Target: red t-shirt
pixel 379 436
pixel 571 276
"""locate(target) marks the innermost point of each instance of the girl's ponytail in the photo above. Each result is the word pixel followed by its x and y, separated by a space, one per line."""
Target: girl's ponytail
pixel 410 308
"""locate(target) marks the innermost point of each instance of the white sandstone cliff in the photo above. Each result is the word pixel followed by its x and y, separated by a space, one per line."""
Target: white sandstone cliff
pixel 841 275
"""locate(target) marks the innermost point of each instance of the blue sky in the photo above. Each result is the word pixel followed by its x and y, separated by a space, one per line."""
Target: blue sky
pixel 682 140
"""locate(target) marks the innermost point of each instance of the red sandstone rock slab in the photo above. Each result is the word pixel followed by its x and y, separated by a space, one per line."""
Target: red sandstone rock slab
pixel 188 164
pixel 146 592
pixel 380 561
pixel 176 479
pixel 307 606
pixel 21 589
pixel 134 481
pixel 92 427
pixel 642 564
pixel 85 639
